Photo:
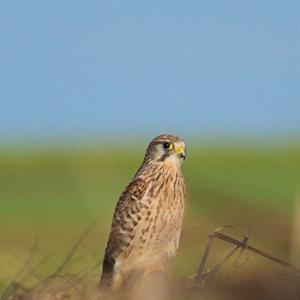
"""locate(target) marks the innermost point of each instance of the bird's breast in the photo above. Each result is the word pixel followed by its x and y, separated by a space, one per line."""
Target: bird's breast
pixel 164 216
pixel 157 221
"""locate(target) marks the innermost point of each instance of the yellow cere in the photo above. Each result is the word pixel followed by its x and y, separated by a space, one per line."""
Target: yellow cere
pixel 179 149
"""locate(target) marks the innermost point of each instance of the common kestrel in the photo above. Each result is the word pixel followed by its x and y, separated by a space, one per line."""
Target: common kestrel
pixel 148 217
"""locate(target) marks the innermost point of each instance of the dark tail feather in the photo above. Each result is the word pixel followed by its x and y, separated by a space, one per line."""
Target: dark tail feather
pixel 107 272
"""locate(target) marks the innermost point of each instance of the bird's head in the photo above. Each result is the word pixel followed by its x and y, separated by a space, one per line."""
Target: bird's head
pixel 167 148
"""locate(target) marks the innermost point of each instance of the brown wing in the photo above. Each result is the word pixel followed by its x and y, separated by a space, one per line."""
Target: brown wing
pixel 125 220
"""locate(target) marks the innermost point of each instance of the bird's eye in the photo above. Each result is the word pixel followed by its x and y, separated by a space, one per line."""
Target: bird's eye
pixel 167 145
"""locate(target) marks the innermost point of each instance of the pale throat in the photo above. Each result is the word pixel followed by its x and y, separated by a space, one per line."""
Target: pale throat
pixel 173 162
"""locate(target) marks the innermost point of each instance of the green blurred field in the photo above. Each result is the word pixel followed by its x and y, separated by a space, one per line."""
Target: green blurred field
pixel 52 195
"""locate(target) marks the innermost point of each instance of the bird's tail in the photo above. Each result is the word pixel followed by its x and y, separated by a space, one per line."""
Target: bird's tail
pixel 107 272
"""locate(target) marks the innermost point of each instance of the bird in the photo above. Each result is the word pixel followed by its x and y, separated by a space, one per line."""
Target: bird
pixel 148 217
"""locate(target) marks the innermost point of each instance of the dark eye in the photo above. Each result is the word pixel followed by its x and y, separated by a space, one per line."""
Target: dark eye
pixel 167 145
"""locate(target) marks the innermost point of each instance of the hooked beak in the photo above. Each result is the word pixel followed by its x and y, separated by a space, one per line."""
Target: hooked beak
pixel 180 151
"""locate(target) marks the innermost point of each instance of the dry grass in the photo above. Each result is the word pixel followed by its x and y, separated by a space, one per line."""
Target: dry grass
pixel 208 283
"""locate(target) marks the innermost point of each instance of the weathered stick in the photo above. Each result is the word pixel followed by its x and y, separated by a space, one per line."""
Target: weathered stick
pixel 201 269
pixel 271 257
pixel 201 274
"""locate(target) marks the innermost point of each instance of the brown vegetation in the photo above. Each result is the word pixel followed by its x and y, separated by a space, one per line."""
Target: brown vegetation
pixel 206 284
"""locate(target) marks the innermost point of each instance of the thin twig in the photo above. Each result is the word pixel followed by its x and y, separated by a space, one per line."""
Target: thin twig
pixel 73 249
pixel 237 263
pixel 219 264
pixel 24 267
pixel 233 241
pixel 201 272
pixel 34 271
pixel 89 270
pixel 202 275
pixel 43 283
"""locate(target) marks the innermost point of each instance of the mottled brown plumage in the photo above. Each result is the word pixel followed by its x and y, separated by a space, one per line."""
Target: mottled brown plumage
pixel 147 221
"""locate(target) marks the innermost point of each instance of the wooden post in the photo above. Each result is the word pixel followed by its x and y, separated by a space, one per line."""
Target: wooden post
pixel 295 234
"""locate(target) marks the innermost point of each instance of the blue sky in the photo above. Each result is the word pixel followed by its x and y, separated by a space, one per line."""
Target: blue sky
pixel 84 68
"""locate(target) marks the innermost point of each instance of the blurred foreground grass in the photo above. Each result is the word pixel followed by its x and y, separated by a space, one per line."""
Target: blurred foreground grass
pixel 52 195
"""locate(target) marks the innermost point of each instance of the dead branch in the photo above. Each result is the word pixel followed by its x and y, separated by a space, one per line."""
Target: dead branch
pixel 271 257
pixel 202 274
pixel 201 270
